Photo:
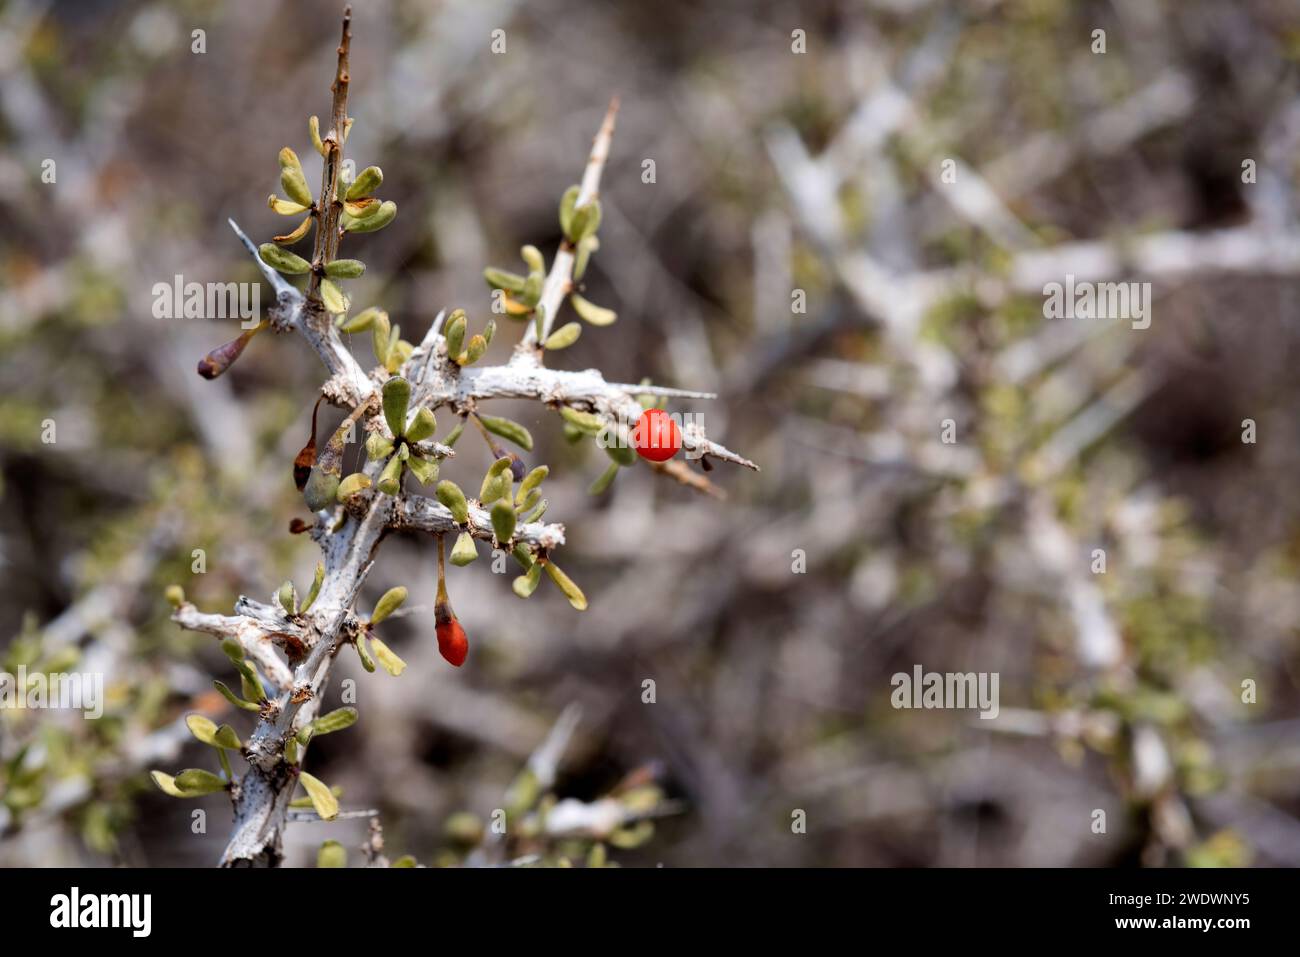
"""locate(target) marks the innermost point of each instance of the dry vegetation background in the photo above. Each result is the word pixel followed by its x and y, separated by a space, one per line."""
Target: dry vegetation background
pixel 774 171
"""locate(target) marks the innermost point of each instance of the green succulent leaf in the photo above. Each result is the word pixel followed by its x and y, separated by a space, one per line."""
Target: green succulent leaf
pixel 289 159
pixel 282 260
pixel 531 481
pixel 389 603
pixel 397 397
pixel 322 799
pixel 313 128
pixel 387 657
pixel 288 597
pixel 233 650
pixel 585 221
pixel 583 256
pixel 378 447
pixel 533 259
pixel 592 313
pixel 233 698
pixel 285 207
pixel 567 585
pixel 373 223
pixel 563 337
pixel 363 652
pixel 587 422
pixel 398 353
pixel 624 455
pixel 305 801
pixel 167 784
pixel 335 299
pixel 454 331
pixel 567 204
pixel 508 429
pixel 251 685
pixel 533 498
pixel 316 582
pixel 297 234
pixel 532 291
pixel 207 731
pixel 497 481
pixel 422 426
pixel 354 483
pixel 503 521
pixel 295 185
pixel 501 279
pixel 363 320
pixel 605 480
pixel 331 854
pixel 367 181
pixel 336 720
pixel 450 495
pixel 381 336
pixel 345 269
pixel 526 584
pixel 464 551
pixel 390 479
pixel 474 351
pixel 425 470
pixel 196 781
pixel 360 209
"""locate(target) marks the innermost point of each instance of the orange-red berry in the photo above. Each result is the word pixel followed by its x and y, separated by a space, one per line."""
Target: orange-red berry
pixel 453 644
pixel 656 436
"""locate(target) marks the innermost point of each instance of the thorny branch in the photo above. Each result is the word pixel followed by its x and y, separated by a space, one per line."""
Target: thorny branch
pixel 348 536
pixel 559 281
pixel 330 207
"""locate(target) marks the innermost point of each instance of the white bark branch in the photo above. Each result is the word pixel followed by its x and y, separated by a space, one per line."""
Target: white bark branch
pixel 559 281
pixel 253 635
pixel 441 383
pixel 585 390
pixel 263 794
pixel 349 384
pixel 427 515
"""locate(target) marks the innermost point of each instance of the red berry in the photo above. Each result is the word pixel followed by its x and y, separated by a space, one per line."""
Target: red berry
pixel 656 436
pixel 452 642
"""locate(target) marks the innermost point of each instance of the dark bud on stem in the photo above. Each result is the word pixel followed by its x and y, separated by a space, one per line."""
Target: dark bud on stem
pixel 307 457
pixel 223 357
pixel 303 462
